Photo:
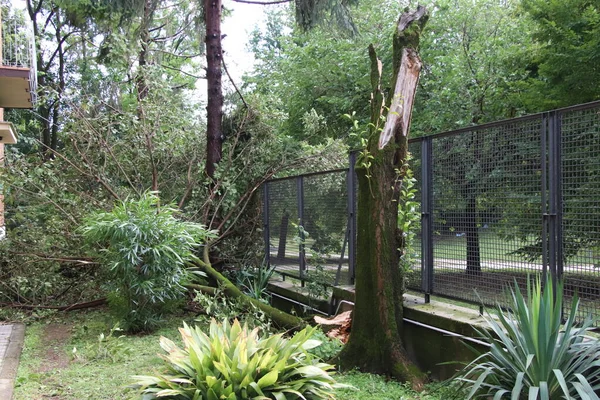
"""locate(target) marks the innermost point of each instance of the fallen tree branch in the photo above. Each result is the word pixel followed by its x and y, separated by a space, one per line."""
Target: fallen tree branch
pixel 280 319
pixel 76 306
pixel 201 288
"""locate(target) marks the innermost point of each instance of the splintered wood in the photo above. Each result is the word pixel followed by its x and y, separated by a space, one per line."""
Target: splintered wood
pixel 337 327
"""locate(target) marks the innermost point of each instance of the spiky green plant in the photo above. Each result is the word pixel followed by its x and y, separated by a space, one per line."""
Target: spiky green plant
pixel 534 356
pixel 232 362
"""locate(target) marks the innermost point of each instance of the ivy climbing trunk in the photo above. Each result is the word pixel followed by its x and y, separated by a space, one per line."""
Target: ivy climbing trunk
pixel 375 343
pixel 214 108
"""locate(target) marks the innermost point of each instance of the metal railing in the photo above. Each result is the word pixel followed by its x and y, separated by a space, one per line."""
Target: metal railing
pixel 18 41
pixel 501 203
pixel 18 44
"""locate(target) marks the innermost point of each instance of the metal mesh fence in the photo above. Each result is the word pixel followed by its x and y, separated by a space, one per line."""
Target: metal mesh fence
pixel 500 203
pixel 580 178
pixel 412 265
pixel 284 250
pixel 308 227
pixel 487 208
pixel 326 222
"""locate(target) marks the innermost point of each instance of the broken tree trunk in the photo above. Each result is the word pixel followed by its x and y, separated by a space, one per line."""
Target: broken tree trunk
pixel 375 343
pixel 337 327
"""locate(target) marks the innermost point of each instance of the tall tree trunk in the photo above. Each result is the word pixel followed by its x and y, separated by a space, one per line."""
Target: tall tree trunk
pixel 375 342
pixel 472 233
pixel 214 109
pixel 470 192
pixel 142 83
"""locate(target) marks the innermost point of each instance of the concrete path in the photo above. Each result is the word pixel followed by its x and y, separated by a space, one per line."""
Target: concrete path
pixel 11 344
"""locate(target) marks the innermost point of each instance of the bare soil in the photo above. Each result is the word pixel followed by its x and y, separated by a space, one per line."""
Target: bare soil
pixel 54 340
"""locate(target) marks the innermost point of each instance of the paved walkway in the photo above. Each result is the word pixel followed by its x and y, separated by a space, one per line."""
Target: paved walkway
pixel 11 343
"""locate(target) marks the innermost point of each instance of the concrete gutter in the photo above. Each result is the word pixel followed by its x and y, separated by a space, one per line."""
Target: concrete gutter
pixel 11 344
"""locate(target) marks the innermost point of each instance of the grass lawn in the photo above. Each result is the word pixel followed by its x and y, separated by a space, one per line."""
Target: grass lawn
pixel 49 368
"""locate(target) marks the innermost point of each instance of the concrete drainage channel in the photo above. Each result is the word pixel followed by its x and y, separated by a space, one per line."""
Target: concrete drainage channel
pixel 11 344
pixel 433 334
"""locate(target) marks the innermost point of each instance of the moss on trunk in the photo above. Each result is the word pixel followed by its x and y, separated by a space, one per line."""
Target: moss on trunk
pixel 375 343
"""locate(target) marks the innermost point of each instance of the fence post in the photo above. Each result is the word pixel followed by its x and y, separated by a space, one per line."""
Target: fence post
pixel 266 227
pixel 544 196
pixel 427 217
pixel 554 215
pixel 559 196
pixel 302 250
pixel 351 187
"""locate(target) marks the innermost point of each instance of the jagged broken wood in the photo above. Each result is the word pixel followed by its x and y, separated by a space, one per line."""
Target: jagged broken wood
pixel 337 327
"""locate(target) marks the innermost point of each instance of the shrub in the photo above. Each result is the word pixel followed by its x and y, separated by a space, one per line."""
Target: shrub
pixel 233 362
pixel 532 355
pixel 329 347
pixel 145 247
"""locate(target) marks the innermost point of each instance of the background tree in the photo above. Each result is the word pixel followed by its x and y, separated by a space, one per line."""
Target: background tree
pixel 563 64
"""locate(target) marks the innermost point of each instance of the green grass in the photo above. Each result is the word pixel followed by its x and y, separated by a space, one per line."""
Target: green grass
pixel 375 387
pixel 492 248
pixel 84 377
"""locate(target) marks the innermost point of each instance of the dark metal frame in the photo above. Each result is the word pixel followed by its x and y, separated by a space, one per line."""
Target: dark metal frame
pixel 350 236
pixel 550 192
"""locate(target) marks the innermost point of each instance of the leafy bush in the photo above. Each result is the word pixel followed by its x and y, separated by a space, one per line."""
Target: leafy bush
pixel 145 247
pixel 532 355
pixel 329 347
pixel 233 362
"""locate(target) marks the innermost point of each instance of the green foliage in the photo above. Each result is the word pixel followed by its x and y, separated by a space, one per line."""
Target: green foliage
pixel 473 52
pixel 307 75
pixel 254 281
pixel 145 248
pixel 108 347
pixel 532 355
pixel 317 279
pixel 220 306
pixel 329 347
pixel 563 66
pixel 408 219
pixel 232 362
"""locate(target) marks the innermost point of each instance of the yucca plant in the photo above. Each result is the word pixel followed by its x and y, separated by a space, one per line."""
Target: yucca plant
pixel 255 281
pixel 534 356
pixel 232 362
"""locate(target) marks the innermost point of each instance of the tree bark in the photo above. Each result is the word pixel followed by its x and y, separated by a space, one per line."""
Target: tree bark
pixel 375 343
pixel 283 228
pixel 214 108
pixel 472 234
